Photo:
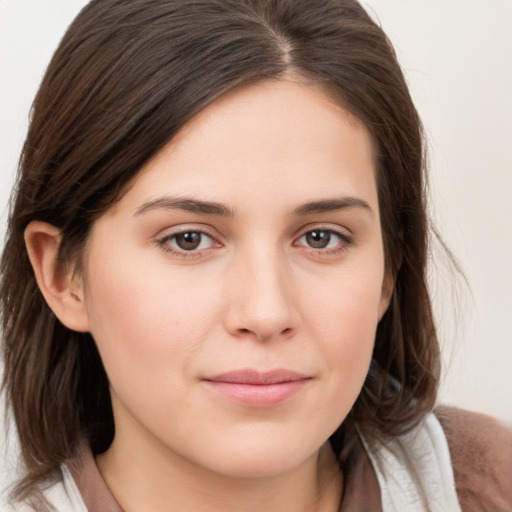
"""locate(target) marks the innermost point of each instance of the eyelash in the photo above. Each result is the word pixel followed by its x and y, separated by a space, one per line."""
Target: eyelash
pixel 163 243
pixel 345 241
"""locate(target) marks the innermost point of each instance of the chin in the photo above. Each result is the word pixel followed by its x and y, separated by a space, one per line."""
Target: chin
pixel 261 459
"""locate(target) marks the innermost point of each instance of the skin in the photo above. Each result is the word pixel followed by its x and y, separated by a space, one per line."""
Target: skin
pixel 258 292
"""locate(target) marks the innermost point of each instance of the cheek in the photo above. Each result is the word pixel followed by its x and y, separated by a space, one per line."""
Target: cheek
pixel 344 319
pixel 146 323
pixel 347 304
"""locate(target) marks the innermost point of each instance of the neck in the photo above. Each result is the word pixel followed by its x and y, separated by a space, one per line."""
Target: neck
pixel 156 480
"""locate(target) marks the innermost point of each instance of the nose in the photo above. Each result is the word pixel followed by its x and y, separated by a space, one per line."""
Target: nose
pixel 262 302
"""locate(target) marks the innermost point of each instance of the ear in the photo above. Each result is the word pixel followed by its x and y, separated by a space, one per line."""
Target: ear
pixel 62 290
pixel 388 286
pixel 389 281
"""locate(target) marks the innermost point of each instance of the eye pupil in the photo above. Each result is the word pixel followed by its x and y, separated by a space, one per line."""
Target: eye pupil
pixel 318 239
pixel 188 241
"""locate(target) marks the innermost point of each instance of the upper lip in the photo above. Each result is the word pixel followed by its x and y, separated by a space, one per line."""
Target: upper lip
pixel 255 377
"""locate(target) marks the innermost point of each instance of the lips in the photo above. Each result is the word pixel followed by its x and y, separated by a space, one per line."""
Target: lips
pixel 258 389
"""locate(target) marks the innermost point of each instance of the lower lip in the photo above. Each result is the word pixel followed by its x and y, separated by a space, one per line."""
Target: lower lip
pixel 258 395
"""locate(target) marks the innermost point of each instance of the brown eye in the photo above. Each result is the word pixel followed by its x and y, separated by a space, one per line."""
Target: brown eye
pixel 188 241
pixel 325 241
pixel 318 239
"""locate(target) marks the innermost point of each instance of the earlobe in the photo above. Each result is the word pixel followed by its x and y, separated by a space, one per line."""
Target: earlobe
pixel 62 291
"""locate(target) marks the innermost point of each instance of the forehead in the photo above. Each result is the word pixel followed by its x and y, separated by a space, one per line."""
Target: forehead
pixel 275 139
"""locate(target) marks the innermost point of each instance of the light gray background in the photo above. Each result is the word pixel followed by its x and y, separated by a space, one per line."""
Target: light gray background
pixel 457 56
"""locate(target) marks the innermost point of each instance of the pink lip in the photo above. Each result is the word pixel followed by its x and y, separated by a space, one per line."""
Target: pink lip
pixel 258 389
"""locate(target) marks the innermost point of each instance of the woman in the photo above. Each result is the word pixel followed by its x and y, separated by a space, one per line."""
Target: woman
pixel 213 285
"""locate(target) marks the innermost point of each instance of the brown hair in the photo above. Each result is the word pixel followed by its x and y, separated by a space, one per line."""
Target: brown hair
pixel 125 78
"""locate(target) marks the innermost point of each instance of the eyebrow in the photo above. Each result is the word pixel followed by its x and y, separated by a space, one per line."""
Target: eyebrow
pixel 328 205
pixel 186 204
pixel 213 208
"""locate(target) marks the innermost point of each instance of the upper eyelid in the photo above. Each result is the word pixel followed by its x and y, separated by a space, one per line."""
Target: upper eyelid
pixel 342 236
pixel 168 234
pixel 171 231
pixel 346 238
pixel 164 243
pixel 340 230
pixel 337 232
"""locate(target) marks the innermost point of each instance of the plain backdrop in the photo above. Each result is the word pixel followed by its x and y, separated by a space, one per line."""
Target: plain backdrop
pixel 457 56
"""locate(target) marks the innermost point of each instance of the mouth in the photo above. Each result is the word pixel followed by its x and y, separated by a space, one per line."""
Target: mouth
pixel 258 389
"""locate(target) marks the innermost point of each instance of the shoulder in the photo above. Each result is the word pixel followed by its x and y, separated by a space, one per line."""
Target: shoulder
pixel 481 452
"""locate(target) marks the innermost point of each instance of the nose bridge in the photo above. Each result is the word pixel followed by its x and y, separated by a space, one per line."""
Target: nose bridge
pixel 262 303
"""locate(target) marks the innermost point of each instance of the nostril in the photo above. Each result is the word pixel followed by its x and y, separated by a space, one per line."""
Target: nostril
pixel 285 332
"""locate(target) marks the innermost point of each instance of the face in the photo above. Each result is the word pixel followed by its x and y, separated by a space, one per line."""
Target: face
pixel 234 290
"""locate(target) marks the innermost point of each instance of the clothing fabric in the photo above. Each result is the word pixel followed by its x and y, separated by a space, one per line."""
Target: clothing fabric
pixel 414 473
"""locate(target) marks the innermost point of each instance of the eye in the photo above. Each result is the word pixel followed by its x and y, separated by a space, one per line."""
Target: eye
pixel 324 239
pixel 187 241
